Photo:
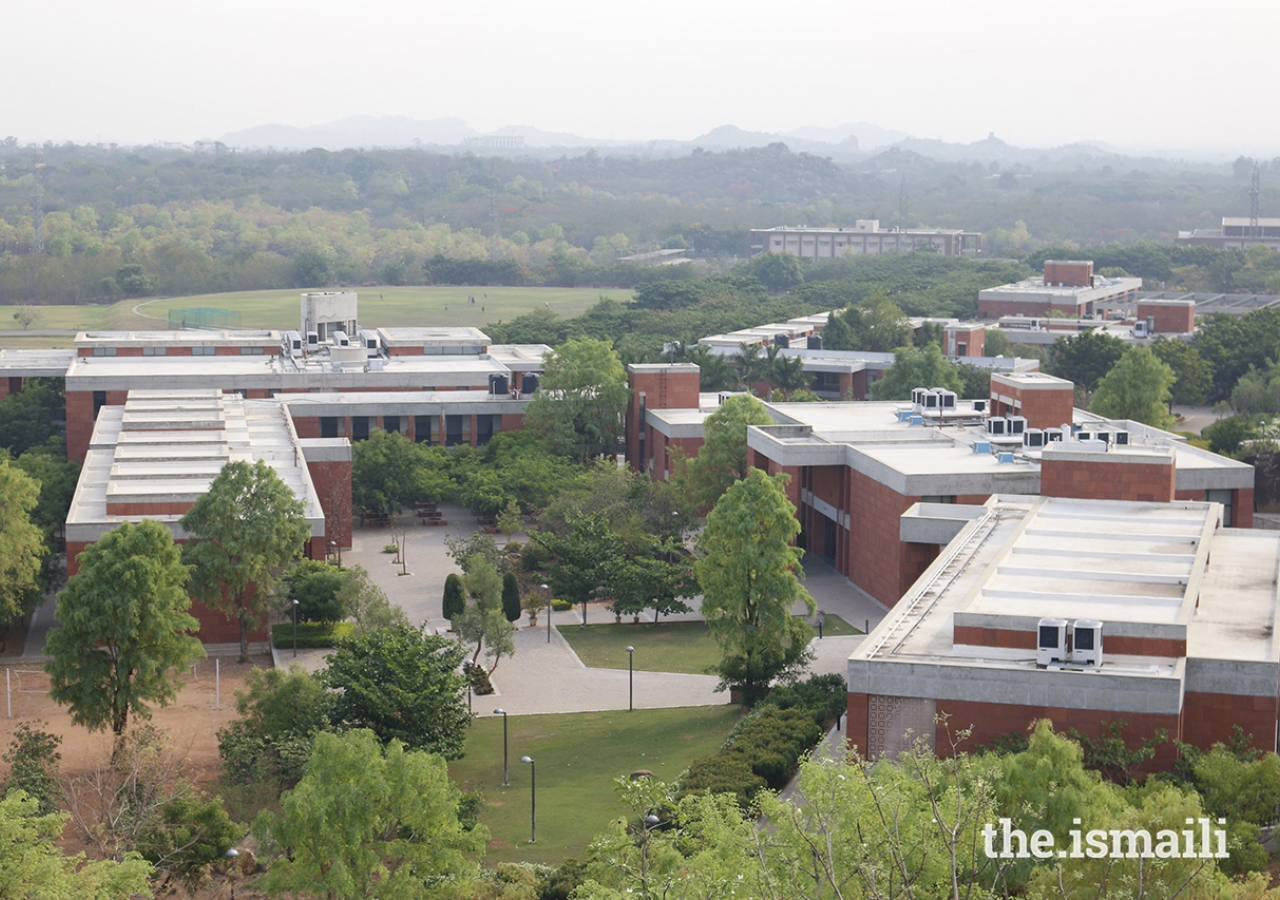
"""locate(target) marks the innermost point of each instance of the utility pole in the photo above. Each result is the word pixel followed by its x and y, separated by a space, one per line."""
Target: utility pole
pixel 1254 191
pixel 37 211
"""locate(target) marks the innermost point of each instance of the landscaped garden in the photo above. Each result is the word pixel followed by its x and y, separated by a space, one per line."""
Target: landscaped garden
pixel 578 756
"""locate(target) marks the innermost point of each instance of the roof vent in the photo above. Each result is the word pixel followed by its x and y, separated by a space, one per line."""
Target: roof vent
pixel 916 420
pixel 1005 457
pixel 982 447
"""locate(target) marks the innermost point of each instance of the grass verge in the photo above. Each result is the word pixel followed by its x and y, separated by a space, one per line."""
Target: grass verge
pixel 578 756
pixel 685 647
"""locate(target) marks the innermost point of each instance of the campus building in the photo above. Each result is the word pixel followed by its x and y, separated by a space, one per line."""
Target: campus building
pixel 1236 231
pixel 1086 612
pixel 864 237
pixel 1067 288
pixel 856 468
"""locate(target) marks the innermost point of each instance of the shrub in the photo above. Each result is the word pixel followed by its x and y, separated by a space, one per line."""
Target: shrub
pixel 722 773
pixel 311 635
pixel 773 741
pixel 390 548
pixel 33 765
pixel 511 597
pixel 455 597
pixel 825 696
pixel 561 605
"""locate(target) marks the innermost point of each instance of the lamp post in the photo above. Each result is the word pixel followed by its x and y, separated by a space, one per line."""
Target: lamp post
pixel 295 628
pixel 631 679
pixel 230 856
pixel 547 591
pixel 533 799
pixel 648 823
pixel 506 772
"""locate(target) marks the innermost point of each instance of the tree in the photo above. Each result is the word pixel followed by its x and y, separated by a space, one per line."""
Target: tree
pixel 32 865
pixel 1136 388
pixel 455 597
pixel 315 587
pixel 1257 392
pixel 996 343
pixel 750 578
pixel 876 325
pixel 370 821
pixel 1193 373
pixel 389 472
pixel 511 596
pixel 722 459
pixel 244 530
pixel 312 268
pixel 403 684
pixel 134 281
pixel 124 625
pixel 779 272
pixel 26 316
pixel 27 417
pixel 486 621
pixel 57 477
pixel 365 603
pixel 579 405
pixel 582 556
pixel 1085 358
pixel 33 759
pixel 1226 435
pixel 281 712
pixel 22 546
pixel 912 368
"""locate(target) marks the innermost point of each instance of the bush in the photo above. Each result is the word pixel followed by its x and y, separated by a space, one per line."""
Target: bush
pixel 773 741
pixel 280 712
pixel 455 597
pixel 722 774
pixel 33 759
pixel 825 696
pixel 311 635
pixel 390 548
pixel 510 597
pixel 561 605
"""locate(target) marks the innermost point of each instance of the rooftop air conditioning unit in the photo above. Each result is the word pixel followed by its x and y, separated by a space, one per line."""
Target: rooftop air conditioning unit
pixel 979 406
pixel 916 420
pixel 313 339
pixel 1005 458
pixel 946 399
pixel 1053 434
pixel 1017 424
pixel 1104 436
pixel 1086 642
pixel 1122 438
pixel 725 395
pixel 930 400
pixel 1140 329
pixel 292 343
pixel 782 340
pixel 340 339
pixel 982 447
pixel 997 426
pixel 917 397
pixel 1051 642
pixel 1033 437
pixel 1084 435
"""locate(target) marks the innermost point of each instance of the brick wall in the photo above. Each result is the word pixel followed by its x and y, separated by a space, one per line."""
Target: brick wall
pixel 1209 718
pixel 332 481
pixel 1170 318
pixel 994 309
pixel 80 420
pixel 1077 273
pixel 874 552
pixel 1107 479
pixel 1124 645
pixel 663 389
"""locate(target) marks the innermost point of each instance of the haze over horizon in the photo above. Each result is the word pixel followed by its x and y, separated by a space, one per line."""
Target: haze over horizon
pixel 1180 81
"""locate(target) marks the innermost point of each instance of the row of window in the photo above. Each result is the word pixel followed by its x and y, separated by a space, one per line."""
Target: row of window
pixel 164 351
pixel 426 429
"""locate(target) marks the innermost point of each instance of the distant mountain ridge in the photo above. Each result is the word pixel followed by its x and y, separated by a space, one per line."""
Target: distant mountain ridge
pixel 848 143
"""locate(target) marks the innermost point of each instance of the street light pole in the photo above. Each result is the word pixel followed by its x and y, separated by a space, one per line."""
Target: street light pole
pixel 506 772
pixel 631 679
pixel 295 628
pixel 547 593
pixel 533 799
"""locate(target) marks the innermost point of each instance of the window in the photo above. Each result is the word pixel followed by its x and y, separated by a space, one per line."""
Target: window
pixel 1225 498
pixel 487 427
pixel 359 428
pixel 391 423
pixel 104 351
pixel 330 427
pixel 939 498
pixel 252 351
pixel 155 351
pixel 202 351
pixel 457 430
pixel 423 428
pixel 99 401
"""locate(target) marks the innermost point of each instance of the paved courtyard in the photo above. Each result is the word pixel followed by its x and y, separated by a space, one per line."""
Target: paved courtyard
pixel 547 676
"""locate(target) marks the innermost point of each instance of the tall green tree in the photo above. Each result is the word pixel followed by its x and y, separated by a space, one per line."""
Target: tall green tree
pixel 22 546
pixel 1085 358
pixel 389 472
pixel 454 602
pixel 403 684
pixel 370 821
pixel 124 625
pixel 722 459
pixel 778 272
pixel 486 619
pixel 1193 373
pixel 912 368
pixel 1258 391
pixel 1136 388
pixel 876 324
pixel 27 418
pixel 750 577
pixel 582 396
pixel 511 596
pixel 244 531
pixel 57 476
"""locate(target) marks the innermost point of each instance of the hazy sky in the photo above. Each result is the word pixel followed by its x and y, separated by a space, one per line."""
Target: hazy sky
pixel 1133 73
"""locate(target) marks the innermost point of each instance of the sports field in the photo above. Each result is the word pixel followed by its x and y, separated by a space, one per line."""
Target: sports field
pixel 279 310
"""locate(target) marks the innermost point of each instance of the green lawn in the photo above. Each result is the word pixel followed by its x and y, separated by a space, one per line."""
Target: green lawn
pixel 578 756
pixel 387 306
pixel 684 647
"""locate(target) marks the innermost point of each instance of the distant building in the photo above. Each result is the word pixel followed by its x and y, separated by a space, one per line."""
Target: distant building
pixel 865 237
pixel 668 257
pixel 1236 231
pixel 1067 287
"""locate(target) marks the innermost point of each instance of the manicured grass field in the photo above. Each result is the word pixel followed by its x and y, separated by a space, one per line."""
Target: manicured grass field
pixel 388 306
pixel 578 756
pixel 398 305
pixel 685 647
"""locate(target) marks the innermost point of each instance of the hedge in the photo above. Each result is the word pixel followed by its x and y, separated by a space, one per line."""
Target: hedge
pixel 311 635
pixel 766 746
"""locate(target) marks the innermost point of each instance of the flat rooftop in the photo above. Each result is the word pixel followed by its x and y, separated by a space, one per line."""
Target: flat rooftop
pixel 1034 288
